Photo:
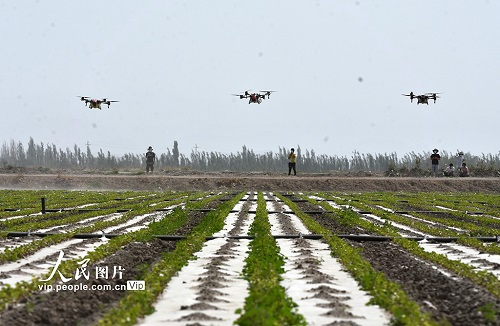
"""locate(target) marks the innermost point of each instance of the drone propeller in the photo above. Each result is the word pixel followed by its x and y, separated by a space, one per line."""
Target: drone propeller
pixel 105 100
pixel 244 94
pixel 83 98
pixel 108 102
pixel 411 95
pixel 268 93
pixel 433 96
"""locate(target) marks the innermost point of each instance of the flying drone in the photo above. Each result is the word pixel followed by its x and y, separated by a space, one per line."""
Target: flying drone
pixel 95 103
pixel 423 99
pixel 254 97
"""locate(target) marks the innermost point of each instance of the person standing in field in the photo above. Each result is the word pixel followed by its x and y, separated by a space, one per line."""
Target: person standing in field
pixel 292 157
pixel 435 157
pixel 460 160
pixel 150 159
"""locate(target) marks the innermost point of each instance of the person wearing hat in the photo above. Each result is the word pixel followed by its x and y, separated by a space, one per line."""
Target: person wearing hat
pixel 150 159
pixel 291 162
pixel 435 157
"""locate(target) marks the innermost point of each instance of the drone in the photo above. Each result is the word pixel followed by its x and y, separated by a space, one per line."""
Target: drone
pixel 254 97
pixel 423 99
pixel 94 103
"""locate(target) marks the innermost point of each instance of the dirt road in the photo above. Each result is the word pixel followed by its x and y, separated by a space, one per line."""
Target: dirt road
pixel 245 182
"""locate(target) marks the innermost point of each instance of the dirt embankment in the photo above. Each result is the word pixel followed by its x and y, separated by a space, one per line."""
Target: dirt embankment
pixel 245 182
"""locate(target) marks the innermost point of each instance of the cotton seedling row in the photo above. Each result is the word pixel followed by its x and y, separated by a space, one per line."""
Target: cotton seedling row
pixel 40 263
pixel 478 260
pixel 116 222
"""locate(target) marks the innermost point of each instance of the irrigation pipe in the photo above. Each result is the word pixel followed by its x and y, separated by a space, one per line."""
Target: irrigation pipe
pixel 354 237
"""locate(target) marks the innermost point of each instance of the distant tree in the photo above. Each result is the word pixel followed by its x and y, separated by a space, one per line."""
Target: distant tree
pixel 175 154
pixel 4 153
pixel 12 153
pixel 21 155
pixel 90 158
pixel 31 153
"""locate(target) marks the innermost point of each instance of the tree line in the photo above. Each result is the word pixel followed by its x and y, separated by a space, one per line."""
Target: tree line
pixel 45 155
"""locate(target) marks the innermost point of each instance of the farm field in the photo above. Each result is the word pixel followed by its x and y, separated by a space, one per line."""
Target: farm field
pixel 196 257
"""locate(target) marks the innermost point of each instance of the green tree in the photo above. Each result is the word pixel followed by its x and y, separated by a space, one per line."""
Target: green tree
pixel 175 154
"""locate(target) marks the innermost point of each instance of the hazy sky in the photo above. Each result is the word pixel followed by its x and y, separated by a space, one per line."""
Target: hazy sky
pixel 339 69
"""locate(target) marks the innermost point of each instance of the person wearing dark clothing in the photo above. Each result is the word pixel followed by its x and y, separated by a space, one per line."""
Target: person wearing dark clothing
pixel 150 159
pixel 435 157
pixel 292 157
